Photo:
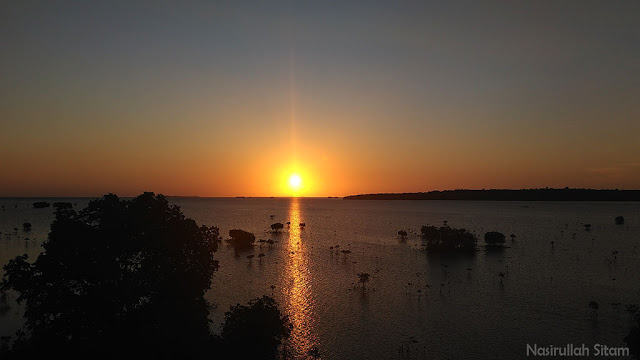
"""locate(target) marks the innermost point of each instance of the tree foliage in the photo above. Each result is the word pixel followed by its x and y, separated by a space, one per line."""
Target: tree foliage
pixel 277 226
pixel 494 238
pixel 633 338
pixel 62 204
pixel 241 240
pixel 363 278
pixel 594 306
pixel 120 278
pixel 448 239
pixel 41 204
pixel 256 330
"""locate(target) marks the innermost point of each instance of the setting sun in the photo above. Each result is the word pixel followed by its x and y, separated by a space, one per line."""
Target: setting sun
pixel 295 182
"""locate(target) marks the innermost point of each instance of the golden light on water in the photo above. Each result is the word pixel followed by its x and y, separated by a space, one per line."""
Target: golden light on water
pixel 299 292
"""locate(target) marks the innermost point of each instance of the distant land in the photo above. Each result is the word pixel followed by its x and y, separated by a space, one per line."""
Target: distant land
pixel 545 194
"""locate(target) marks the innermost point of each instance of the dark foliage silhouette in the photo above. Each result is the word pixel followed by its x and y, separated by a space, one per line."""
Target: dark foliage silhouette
pixel 41 204
pixel 363 278
pixel 62 204
pixel 448 239
pixel 633 338
pixel 118 279
pixel 593 307
pixel 277 226
pixel 241 240
pixel 4 304
pixel 256 330
pixel 494 240
pixel 619 220
pixel 501 274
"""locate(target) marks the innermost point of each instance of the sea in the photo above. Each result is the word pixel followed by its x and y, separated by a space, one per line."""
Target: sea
pixel 489 305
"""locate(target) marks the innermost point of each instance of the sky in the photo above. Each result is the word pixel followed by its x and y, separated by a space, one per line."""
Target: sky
pixel 232 98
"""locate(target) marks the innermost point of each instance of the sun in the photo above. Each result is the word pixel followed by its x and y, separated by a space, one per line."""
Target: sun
pixel 295 182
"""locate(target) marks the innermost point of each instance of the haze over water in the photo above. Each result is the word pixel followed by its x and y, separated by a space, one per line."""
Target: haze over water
pixel 542 298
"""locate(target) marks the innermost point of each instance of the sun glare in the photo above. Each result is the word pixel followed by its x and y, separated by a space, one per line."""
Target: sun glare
pixel 295 182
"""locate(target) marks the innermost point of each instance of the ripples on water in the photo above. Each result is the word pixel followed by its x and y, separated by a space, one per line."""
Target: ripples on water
pixel 475 314
pixel 297 287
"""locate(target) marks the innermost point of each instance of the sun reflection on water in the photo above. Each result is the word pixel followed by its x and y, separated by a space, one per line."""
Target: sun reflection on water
pixel 298 290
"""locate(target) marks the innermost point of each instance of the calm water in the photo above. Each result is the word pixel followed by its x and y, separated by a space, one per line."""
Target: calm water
pixel 415 305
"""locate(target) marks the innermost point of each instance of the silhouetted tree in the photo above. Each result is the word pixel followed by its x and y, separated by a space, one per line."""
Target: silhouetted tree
pixel 5 345
pixel 241 240
pixel 4 304
pixel 501 274
pixel 277 226
pixel 40 204
pixel 494 239
pixel 594 306
pixel 633 338
pixel 256 330
pixel 448 239
pixel 62 204
pixel 117 279
pixel 632 309
pixel 363 278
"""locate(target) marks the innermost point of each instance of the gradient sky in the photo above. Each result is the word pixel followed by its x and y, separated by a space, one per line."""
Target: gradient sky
pixel 230 98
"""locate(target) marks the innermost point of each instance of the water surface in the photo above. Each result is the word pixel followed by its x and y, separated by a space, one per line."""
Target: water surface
pixel 415 305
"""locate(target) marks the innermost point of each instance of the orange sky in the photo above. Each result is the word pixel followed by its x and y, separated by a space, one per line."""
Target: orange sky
pixel 223 100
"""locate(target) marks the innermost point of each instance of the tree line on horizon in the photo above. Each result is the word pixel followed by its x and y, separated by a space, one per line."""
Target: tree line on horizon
pixel 540 194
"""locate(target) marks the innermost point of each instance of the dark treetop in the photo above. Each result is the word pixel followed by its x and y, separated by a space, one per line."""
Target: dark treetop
pixel 120 278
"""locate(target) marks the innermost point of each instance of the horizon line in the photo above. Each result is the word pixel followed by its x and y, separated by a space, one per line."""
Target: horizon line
pixel 317 196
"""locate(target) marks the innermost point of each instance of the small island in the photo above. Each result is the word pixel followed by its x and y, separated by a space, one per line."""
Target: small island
pixel 542 194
